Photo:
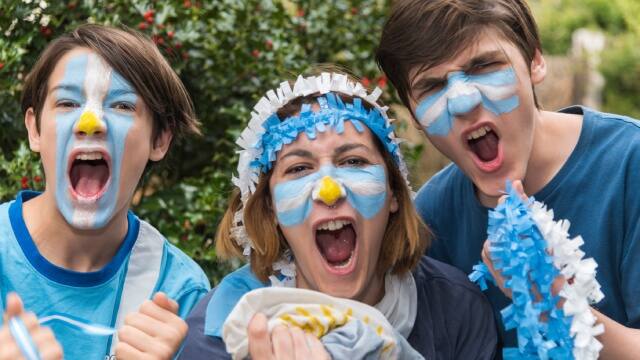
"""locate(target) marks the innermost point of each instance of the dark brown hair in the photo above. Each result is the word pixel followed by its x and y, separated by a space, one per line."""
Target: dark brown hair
pixel 404 241
pixel 137 59
pixel 421 34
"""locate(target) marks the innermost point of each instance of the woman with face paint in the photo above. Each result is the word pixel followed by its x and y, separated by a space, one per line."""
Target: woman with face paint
pixel 324 215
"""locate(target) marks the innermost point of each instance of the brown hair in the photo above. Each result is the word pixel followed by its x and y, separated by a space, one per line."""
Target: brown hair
pixel 137 59
pixel 405 239
pixel 422 34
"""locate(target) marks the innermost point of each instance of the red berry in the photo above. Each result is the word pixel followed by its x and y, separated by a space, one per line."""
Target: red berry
pixel 300 13
pixel 143 26
pixel 186 4
pixel 170 34
pixel 268 44
pixel 185 55
pixel 148 13
pixel 46 31
pixel 178 45
pixel 72 5
pixel 354 10
pixel 37 178
pixel 1 66
pixel 157 39
pixel 382 82
pixel 365 81
pixel 149 19
pixel 255 53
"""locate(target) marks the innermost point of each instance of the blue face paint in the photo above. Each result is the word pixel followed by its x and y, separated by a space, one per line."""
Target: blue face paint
pixel 99 95
pixel 496 91
pixel 365 188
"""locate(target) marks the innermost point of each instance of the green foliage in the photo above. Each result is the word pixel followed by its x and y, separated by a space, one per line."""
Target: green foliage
pixel 19 172
pixel 227 52
pixel 621 69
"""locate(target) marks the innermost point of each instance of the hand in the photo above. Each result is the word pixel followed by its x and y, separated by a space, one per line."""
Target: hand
pixel 284 343
pixel 558 282
pixel 154 332
pixel 42 337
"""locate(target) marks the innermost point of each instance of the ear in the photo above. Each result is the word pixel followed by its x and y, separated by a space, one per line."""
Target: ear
pixel 161 146
pixel 32 129
pixel 393 205
pixel 538 68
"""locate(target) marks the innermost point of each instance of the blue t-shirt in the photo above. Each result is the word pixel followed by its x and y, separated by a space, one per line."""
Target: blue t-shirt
pixel 144 264
pixel 596 190
pixel 453 320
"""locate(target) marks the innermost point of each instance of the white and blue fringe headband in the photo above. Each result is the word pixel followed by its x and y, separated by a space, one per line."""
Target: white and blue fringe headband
pixel 266 133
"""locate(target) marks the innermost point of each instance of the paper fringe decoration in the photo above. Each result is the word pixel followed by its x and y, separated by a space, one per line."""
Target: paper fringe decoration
pixel 531 250
pixel 258 151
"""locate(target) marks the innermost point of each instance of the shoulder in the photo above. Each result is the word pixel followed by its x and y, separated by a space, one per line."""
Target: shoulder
pixel 439 190
pixel 604 123
pixel 432 275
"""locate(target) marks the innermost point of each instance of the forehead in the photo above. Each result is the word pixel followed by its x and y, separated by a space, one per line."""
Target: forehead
pixel 489 40
pixel 326 142
pixel 83 68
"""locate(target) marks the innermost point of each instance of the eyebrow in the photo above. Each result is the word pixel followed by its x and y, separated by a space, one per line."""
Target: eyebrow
pixel 479 59
pixel 297 152
pixel 67 87
pixel 348 147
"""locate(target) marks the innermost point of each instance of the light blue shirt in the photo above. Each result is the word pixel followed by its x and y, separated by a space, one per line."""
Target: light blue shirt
pixel 47 289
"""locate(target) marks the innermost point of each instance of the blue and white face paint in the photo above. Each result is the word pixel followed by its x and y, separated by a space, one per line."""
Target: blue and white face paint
pixel 365 188
pixel 90 135
pixel 496 91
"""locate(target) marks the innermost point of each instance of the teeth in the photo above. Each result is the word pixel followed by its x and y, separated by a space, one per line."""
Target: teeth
pixel 479 133
pixel 89 156
pixel 333 225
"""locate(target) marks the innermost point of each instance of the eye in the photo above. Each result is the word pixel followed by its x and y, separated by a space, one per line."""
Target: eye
pixel 355 161
pixel 485 67
pixel 297 169
pixel 430 88
pixel 124 106
pixel 67 104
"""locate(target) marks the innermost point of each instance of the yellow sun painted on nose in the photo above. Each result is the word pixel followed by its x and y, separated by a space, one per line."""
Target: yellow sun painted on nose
pixel 330 191
pixel 89 123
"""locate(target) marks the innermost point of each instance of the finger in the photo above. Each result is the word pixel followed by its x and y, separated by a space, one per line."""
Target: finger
pixel 150 308
pixel 145 323
pixel 136 338
pixel 125 351
pixel 317 349
pixel 519 188
pixel 50 350
pixel 14 306
pixel 259 340
pixel 282 343
pixel 496 274
pixel 164 302
pixel 8 348
pixel 300 345
pixel 502 199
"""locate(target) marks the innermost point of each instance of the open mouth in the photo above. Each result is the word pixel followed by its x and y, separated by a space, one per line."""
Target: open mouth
pixel 336 240
pixel 484 143
pixel 89 174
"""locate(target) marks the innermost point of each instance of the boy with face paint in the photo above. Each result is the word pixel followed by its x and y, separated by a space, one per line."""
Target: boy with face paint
pixel 99 104
pixel 467 69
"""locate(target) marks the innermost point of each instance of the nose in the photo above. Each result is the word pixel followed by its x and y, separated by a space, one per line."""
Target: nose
pixel 90 124
pixel 328 190
pixel 466 98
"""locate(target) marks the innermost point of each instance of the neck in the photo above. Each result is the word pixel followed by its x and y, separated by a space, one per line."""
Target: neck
pixel 554 138
pixel 66 246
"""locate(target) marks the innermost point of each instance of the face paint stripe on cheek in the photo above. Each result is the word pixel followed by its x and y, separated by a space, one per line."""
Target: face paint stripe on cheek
pixel 496 91
pixel 365 192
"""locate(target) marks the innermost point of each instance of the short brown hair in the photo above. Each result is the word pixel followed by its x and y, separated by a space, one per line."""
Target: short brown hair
pixel 137 59
pixel 405 239
pixel 425 33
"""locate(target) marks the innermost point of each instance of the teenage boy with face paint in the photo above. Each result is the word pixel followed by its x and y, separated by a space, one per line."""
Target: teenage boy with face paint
pixel 99 104
pixel 467 69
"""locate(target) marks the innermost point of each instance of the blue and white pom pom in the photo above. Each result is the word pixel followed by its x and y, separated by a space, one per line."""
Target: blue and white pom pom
pixel 531 250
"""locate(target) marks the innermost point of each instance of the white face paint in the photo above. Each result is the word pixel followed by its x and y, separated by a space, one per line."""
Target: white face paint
pixel 95 110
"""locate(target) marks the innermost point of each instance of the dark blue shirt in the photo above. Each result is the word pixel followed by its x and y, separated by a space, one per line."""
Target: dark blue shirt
pixel 453 321
pixel 597 189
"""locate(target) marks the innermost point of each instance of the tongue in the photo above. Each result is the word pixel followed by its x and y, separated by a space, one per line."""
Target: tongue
pixel 88 179
pixel 336 246
pixel 486 147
